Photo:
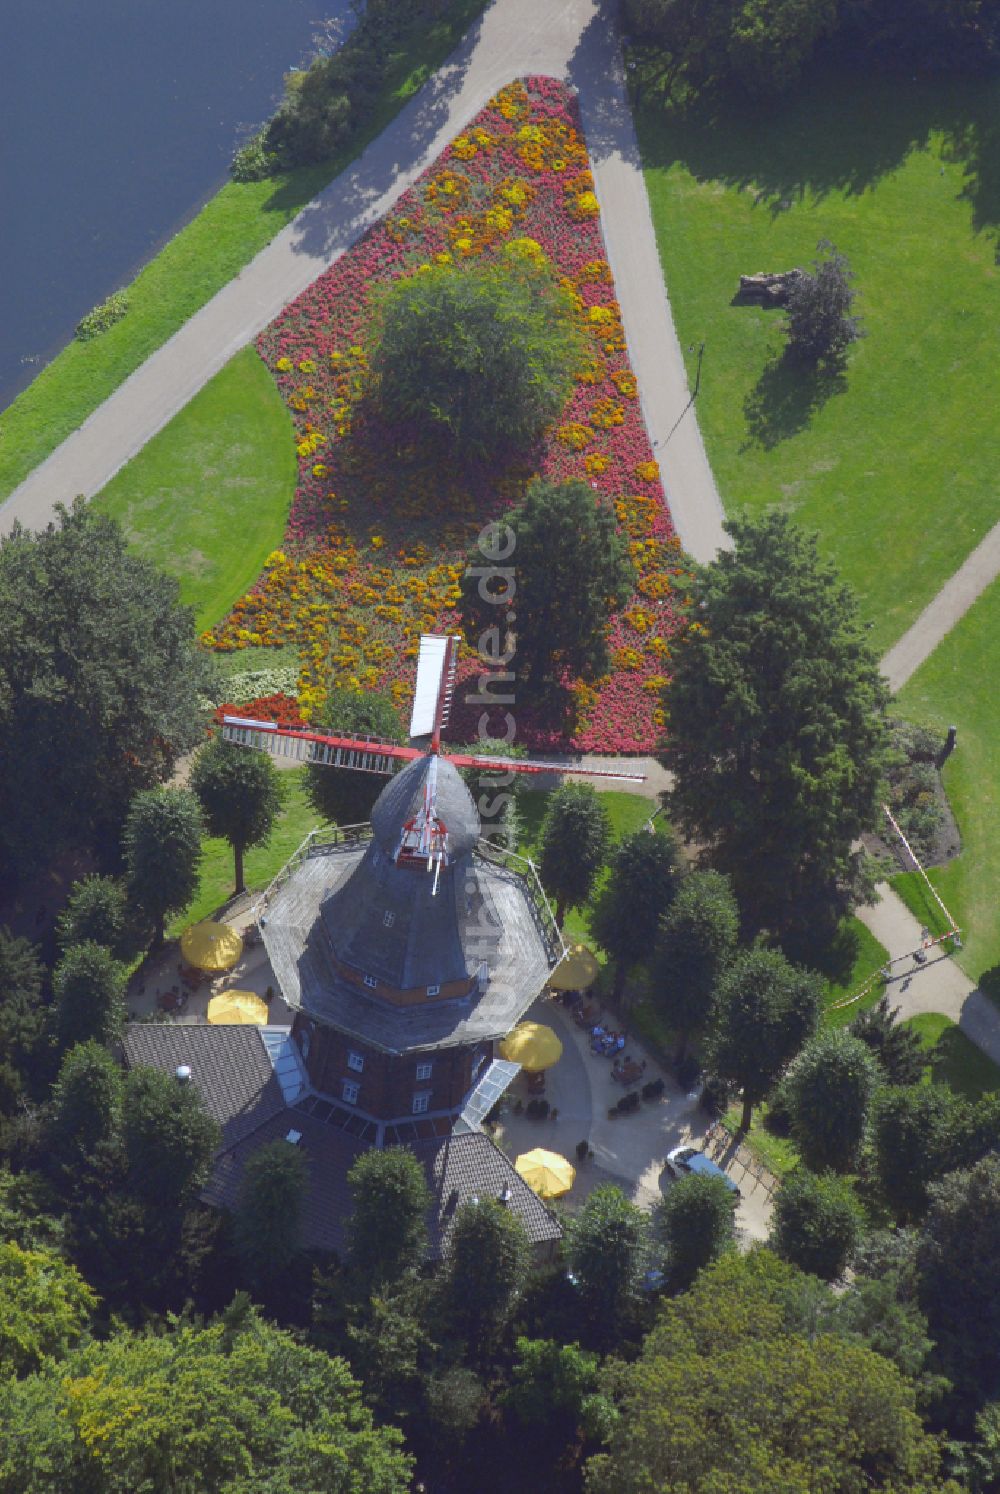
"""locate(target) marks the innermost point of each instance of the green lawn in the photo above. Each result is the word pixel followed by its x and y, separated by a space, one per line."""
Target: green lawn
pixel 856 957
pixel 957 686
pixel 953 1058
pixel 897 471
pixel 206 500
pixel 232 227
pixel 215 885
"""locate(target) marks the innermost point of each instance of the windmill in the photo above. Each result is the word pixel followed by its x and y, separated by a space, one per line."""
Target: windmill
pixel 423 842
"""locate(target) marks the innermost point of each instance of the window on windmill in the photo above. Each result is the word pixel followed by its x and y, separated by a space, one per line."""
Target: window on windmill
pixel 371 980
pixel 424 1070
pixel 389 919
pixel 433 990
pixel 421 1101
pixel 356 1062
pixel 351 1092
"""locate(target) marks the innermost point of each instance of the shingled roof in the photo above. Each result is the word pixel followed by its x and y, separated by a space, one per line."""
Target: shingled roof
pixel 230 1069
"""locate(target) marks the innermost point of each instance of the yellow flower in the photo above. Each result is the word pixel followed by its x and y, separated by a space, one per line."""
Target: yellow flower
pixel 585 205
pixel 647 471
pixel 284 365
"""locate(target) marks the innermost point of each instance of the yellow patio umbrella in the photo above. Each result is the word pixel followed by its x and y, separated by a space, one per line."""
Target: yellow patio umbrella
pixel 232 1008
pixel 576 971
pixel 546 1172
pixel 211 946
pixel 532 1045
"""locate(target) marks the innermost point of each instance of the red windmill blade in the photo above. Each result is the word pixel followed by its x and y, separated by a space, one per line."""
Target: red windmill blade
pixel 436 666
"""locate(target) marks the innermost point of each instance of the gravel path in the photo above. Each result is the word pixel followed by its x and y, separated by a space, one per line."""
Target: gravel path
pixel 571 39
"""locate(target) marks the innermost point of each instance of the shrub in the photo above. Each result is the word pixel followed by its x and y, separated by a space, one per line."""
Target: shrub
pixel 102 317
pixel 820 323
pixel 253 161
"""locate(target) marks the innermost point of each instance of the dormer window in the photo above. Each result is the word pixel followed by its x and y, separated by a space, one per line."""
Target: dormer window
pixel 355 1062
pixel 434 990
pixel 388 920
pixel 371 981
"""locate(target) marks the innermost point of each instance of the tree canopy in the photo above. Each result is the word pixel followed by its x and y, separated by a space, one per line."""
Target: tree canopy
pixel 162 843
pixel 730 1394
pixel 607 1248
pixel 98 909
pixel 170 1138
pixel 763 1012
pixel 45 1305
pixel 268 1217
pixel 345 796
pixel 100 678
pixel 23 1036
pixel 565 544
pixel 477 359
pixel 240 795
pixel 817 1222
pixel 695 1224
pixel 575 835
pixel 85 1109
pixel 820 323
pixel 776 731
pixel 696 939
pixel 641 882
pixel 89 989
pixel 485 1265
pixel 387 1229
pixel 829 1090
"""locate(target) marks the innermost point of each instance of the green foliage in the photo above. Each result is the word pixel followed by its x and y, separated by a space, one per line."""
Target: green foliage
pixel 817 1222
pixel 99 683
pixel 880 1313
pixel 162 844
pixel 915 784
pixel 45 1306
pixel 764 1010
pixel 22 1020
pixel 267 1225
pixel 550 1382
pixel 239 793
pixel 89 989
pixel 496 793
pixel 606 1247
pixel 387 1229
pixel 197 1410
pixel 170 1139
pixel 562 542
pixel 485 1266
pixel 340 795
pixel 696 940
pixel 897 1047
pixel 730 1393
pixel 252 161
pixel 390 1348
pixel 476 361
pixel 760 46
pixel 958 1259
pixel 102 317
pixel 923 1131
pixel 575 836
pixel 820 321
pixel 454 1400
pixel 97 910
pixel 829 1090
pixel 776 734
pixel 86 1103
pixel 695 1224
pixel 642 879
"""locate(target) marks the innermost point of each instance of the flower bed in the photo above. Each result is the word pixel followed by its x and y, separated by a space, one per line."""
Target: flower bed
pixel 375 543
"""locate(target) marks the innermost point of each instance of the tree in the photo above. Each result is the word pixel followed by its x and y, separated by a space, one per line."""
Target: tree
pixel 170 1139
pixel 915 1131
pixel 730 1394
pixel 162 843
pixel 485 1265
pixel 22 1020
pixel 564 542
pixel 641 882
pixel 100 678
pixel 695 1224
pixel 240 796
pixel 89 989
pixel 496 791
pixel 820 323
pixel 345 796
pixel 97 910
pixel 817 1222
pixel 391 1347
pixel 958 1259
pixel 550 1382
pixel 696 940
pixel 606 1249
pixel 575 835
pixel 777 738
pixel 477 360
pixel 764 1010
pixel 772 40
pixel 238 1404
pixel 268 1214
pixel 45 1305
pixel 387 1229
pixel 86 1102
pixel 900 1053
pixel 829 1090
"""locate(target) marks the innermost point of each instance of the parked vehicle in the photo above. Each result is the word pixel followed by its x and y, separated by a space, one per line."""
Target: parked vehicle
pixel 689 1159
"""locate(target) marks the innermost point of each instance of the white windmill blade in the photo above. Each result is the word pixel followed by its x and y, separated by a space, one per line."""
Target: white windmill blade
pixel 436 664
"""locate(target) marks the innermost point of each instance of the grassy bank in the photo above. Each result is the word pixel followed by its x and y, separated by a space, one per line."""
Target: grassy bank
pixel 207 498
pixel 896 468
pixel 228 232
pixel 952 1058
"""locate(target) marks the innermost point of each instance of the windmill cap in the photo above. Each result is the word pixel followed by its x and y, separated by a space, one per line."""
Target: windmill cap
pixel 403 796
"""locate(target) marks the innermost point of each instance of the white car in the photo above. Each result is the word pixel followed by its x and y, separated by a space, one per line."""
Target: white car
pixel 689 1159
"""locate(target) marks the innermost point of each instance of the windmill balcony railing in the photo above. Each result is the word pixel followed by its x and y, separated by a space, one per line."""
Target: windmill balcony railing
pixel 527 874
pixel 335 841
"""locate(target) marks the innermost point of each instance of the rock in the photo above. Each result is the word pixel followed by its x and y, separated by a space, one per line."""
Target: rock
pixel 767 288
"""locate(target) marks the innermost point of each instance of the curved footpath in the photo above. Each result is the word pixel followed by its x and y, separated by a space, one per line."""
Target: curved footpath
pixel 574 40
